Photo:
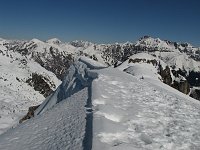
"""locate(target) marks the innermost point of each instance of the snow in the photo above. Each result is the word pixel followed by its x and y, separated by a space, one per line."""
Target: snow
pixel 95 106
pixel 91 63
pixel 61 128
pixel 36 41
pixel 54 41
pixel 138 114
pixel 142 69
pixel 127 113
pixel 16 95
pixel 75 80
pixel 154 43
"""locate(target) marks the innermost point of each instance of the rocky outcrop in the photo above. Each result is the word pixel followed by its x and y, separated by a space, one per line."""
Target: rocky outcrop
pixel 40 83
pixel 165 74
pixel 194 78
pixel 137 60
pixel 183 86
pixel 195 94
pixel 54 61
pixel 30 113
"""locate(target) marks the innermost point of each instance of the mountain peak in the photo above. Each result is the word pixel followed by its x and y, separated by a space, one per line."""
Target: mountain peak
pixel 34 40
pixel 81 43
pixel 54 41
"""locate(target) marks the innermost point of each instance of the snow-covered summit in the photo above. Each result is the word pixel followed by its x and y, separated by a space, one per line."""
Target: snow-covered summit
pixel 156 43
pixel 54 41
pixel 36 41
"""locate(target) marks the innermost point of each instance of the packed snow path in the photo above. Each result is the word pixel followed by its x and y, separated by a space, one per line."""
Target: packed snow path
pixel 131 113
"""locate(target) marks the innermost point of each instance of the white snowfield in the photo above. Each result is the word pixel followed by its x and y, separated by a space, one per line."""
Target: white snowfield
pixel 107 109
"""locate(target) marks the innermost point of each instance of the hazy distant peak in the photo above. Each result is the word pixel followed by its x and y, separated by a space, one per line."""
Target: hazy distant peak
pixel 81 43
pixel 54 41
pixel 34 40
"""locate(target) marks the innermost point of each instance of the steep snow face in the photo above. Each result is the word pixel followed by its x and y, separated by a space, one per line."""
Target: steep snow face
pixel 74 81
pixel 78 77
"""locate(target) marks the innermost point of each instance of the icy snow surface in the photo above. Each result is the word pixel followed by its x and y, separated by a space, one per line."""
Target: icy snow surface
pixel 129 113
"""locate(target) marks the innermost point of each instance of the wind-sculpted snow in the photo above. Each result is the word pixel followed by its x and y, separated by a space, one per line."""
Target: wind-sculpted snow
pixel 78 77
pixel 63 120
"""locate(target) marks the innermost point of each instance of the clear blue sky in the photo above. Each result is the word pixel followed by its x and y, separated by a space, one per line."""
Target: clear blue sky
pixel 101 21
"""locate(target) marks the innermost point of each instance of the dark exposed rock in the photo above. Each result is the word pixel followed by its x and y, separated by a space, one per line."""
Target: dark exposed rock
pixel 165 74
pixel 30 113
pixel 195 94
pixel 154 62
pixel 39 83
pixel 23 51
pixel 56 62
pixel 176 73
pixel 23 61
pixel 137 60
pixel 182 86
pixel 17 79
pixel 194 78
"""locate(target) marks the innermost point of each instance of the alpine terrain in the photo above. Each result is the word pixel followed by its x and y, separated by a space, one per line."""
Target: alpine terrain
pixel 81 95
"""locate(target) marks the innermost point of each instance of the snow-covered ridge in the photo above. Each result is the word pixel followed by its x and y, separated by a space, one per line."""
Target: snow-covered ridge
pixel 53 58
pixel 78 77
pixel 127 113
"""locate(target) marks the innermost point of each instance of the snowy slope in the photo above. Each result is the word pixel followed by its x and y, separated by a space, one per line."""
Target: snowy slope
pixel 17 94
pixel 61 128
pixel 128 113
